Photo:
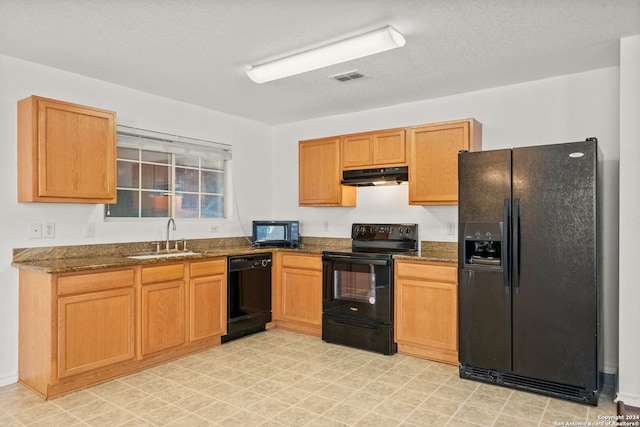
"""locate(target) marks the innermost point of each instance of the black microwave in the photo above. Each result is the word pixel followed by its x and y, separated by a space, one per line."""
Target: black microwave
pixel 276 233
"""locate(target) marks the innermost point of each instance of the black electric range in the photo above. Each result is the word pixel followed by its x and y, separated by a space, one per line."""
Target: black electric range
pixel 358 286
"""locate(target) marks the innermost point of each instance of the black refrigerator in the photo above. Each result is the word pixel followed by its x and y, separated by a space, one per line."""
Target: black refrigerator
pixel 529 269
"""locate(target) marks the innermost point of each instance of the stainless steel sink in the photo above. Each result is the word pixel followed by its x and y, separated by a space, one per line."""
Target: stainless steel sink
pixel 163 255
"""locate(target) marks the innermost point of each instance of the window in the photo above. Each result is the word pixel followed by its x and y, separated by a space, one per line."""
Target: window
pixel 162 175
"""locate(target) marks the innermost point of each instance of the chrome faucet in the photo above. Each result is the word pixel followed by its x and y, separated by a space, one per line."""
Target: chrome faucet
pixel 174 229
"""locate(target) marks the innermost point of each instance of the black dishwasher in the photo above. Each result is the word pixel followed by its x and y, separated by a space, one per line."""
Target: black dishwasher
pixel 248 295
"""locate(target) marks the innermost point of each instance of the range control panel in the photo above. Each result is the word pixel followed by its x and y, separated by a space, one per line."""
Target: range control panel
pixel 384 232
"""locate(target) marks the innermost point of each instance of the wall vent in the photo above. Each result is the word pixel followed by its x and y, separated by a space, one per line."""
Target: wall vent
pixel 349 75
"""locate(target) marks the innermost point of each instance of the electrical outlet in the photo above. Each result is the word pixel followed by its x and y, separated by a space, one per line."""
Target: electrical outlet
pixel 35 230
pixel 49 230
pixel 325 226
pixel 215 229
pixel 451 228
pixel 89 229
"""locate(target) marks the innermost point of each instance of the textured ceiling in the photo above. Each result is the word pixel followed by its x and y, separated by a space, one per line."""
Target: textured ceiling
pixel 197 51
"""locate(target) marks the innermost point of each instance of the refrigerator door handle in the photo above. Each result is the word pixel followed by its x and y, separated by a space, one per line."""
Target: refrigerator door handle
pixel 516 245
pixel 505 245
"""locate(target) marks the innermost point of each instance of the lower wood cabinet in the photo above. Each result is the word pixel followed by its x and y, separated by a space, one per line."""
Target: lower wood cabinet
pixel 163 307
pixel 79 329
pixel 297 302
pixel 74 327
pixel 207 299
pixel 426 310
pixel 83 344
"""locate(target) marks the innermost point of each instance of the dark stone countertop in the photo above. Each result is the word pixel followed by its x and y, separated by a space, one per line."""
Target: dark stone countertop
pixel 69 259
pixel 432 256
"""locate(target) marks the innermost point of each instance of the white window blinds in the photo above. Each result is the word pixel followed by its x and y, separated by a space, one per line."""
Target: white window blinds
pixel 156 141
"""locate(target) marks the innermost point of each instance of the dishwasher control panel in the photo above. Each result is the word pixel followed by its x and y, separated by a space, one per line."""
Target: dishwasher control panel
pixel 247 262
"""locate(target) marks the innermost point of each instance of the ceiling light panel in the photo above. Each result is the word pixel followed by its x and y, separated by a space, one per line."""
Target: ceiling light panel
pixel 370 43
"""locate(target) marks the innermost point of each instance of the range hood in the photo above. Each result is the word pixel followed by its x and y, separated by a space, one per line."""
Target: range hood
pixel 377 176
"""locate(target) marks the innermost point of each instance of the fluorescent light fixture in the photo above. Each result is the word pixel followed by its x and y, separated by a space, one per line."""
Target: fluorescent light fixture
pixel 370 43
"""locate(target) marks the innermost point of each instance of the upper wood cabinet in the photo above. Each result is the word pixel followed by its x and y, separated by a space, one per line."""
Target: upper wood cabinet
pixel 319 174
pixel 66 152
pixel 430 151
pixel 433 167
pixel 373 149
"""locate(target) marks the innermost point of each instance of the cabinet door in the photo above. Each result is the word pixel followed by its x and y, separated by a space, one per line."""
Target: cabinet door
pixel 302 295
pixel 433 170
pixel 374 149
pixel 162 316
pixel 426 310
pixel 357 151
pixel 207 307
pixel 433 175
pixel 95 330
pixel 66 152
pixel 319 175
pixel 389 148
pixel 427 314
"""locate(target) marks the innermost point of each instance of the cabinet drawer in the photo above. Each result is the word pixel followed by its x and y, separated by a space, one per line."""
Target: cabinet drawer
pixel 162 273
pixel 91 282
pixel 312 262
pixel 433 272
pixel 208 268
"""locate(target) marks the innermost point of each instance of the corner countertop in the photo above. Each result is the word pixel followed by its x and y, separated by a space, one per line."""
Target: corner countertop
pixel 70 259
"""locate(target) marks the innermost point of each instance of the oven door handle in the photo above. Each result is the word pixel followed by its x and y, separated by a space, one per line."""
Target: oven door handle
pixel 357 260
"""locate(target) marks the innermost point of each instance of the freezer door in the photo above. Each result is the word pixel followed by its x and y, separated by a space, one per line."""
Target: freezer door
pixel 484 183
pixel 484 299
pixel 554 274
pixel 484 320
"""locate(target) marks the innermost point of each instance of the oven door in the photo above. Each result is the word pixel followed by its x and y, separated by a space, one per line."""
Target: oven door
pixel 358 287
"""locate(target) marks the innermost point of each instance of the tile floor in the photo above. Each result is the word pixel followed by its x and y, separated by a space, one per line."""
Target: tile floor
pixel 280 378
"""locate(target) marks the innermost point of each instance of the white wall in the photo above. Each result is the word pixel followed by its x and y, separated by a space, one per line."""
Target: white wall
pixel 562 109
pixel 251 143
pixel 629 381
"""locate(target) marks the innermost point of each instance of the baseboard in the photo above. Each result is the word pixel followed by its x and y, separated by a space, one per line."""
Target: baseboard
pixel 444 356
pixel 628 399
pixel 8 380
